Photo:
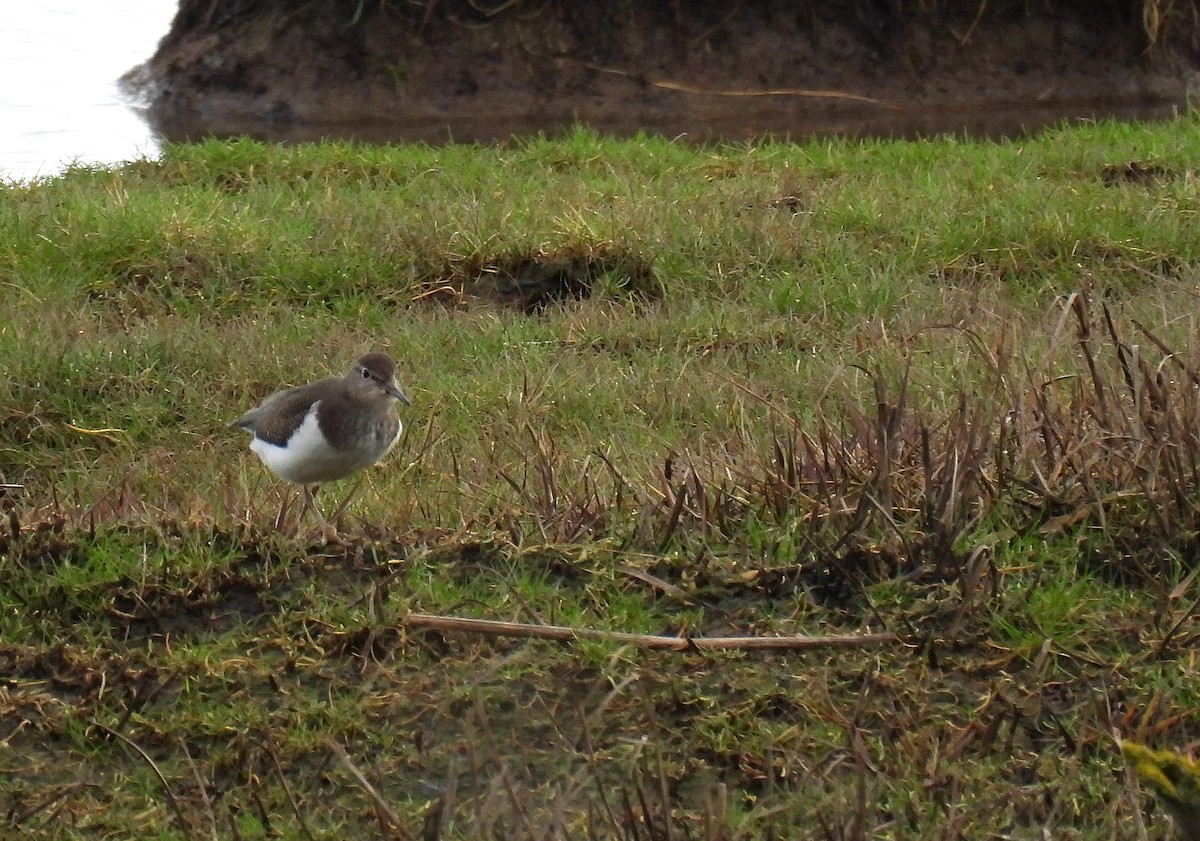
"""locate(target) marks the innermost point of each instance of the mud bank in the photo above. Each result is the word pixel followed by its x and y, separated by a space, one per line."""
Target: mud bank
pixel 470 70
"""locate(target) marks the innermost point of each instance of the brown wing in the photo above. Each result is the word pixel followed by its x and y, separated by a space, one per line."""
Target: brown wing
pixel 276 418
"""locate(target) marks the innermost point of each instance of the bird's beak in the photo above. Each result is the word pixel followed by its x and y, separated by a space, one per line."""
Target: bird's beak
pixel 392 391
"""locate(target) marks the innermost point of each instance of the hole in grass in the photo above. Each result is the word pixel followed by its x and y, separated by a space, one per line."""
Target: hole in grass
pixel 208 604
pixel 1115 267
pixel 1133 172
pixel 74 676
pixel 172 269
pixel 833 580
pixel 532 282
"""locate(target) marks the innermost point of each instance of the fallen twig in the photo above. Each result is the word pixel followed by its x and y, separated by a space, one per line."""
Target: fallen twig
pixel 172 800
pixel 386 812
pixel 270 751
pixel 558 632
pixel 54 797
pixel 203 789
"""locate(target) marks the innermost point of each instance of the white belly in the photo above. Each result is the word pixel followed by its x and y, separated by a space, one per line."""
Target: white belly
pixel 308 459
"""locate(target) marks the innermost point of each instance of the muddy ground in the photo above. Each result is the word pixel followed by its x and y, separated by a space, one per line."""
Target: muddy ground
pixel 470 70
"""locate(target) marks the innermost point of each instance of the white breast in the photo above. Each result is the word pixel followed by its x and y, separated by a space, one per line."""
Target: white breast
pixel 308 459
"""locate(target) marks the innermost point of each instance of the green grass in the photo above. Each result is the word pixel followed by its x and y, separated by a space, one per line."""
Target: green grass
pixel 944 389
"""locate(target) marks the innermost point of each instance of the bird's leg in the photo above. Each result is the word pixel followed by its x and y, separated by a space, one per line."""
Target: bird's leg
pixel 283 507
pixel 341 509
pixel 327 531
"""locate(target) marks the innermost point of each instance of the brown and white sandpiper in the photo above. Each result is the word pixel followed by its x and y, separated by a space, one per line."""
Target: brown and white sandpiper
pixel 328 429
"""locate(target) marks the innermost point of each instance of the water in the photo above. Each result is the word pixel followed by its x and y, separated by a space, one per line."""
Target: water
pixel 59 101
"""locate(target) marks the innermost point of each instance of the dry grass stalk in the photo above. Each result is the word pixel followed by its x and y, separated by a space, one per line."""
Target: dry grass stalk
pixel 651 641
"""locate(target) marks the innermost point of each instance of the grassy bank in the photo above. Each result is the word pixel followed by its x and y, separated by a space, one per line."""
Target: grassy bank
pixel 945 390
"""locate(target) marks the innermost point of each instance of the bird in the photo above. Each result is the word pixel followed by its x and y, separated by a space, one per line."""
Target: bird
pixel 329 429
pixel 1175 780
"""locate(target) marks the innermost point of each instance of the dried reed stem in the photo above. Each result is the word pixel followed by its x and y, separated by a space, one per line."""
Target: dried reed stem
pixel 559 632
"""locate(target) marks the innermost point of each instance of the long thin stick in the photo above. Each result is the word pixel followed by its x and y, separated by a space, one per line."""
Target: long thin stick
pixel 558 632
pixel 270 750
pixel 50 800
pixel 172 800
pixel 384 810
pixel 203 789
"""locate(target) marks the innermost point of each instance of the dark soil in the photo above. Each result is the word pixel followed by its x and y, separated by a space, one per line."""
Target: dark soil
pixel 464 70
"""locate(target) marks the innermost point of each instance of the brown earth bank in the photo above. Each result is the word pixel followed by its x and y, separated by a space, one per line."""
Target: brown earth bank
pixel 487 69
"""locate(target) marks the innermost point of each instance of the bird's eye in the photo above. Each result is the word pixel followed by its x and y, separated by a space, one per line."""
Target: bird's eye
pixel 366 374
